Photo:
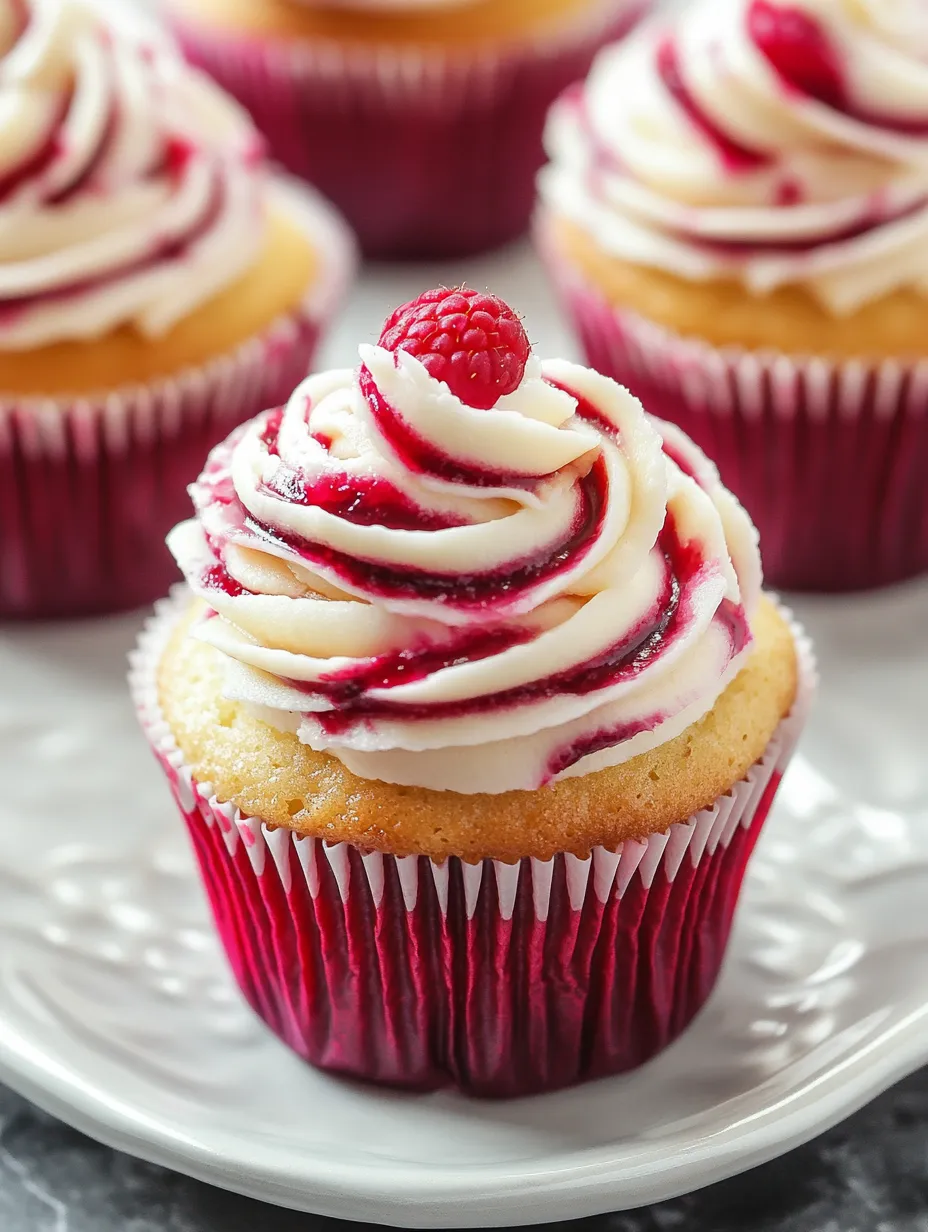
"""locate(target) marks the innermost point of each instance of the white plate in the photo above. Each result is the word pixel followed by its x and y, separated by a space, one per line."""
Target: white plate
pixel 116 1011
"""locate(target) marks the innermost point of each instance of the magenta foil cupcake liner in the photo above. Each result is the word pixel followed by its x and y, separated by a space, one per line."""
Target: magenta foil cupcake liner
pixel 499 979
pixel 89 488
pixel 829 458
pixel 428 154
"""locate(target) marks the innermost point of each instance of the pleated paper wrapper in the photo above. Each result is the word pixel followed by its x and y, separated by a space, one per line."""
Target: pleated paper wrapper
pixel 499 979
pixel 428 152
pixel 829 457
pixel 89 487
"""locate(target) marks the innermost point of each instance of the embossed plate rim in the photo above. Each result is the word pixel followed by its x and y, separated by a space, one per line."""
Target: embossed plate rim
pixel 445 1199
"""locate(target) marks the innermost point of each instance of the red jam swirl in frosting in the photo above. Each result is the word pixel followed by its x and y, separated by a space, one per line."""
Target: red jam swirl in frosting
pixel 540 589
pixel 778 143
pixel 131 188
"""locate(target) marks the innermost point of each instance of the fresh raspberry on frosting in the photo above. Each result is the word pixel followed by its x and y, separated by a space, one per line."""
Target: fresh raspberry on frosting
pixel 470 340
pixel 800 50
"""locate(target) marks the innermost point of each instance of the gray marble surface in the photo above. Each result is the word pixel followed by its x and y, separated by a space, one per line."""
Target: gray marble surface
pixel 868 1175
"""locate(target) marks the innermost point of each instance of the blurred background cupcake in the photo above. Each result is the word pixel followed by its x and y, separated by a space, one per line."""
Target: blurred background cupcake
pixel 475 712
pixel 157 286
pixel 420 119
pixel 737 214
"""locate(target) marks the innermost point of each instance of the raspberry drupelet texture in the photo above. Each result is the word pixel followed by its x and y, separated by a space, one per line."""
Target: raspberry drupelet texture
pixel 469 339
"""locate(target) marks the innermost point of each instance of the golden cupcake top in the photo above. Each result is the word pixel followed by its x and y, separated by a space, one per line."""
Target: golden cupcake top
pixel 768 143
pixel 453 25
pixel 131 188
pixel 457 567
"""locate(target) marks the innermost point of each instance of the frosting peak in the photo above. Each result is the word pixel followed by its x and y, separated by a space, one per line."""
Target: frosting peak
pixel 472 600
pixel 779 143
pixel 131 188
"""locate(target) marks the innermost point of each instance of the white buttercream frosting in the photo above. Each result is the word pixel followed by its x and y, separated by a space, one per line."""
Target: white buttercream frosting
pixel 470 600
pixel 775 143
pixel 131 188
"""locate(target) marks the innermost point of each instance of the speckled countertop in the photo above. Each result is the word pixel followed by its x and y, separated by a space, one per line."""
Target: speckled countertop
pixel 868 1175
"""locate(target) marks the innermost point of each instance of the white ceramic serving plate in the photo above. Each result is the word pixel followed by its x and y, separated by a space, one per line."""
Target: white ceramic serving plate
pixel 116 1011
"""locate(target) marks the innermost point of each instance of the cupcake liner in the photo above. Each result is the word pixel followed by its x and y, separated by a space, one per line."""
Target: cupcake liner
pixel 829 457
pixel 500 979
pixel 428 153
pixel 90 487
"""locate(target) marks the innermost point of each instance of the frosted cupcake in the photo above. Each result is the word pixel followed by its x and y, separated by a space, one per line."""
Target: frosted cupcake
pixel 737 212
pixel 476 696
pixel 421 119
pixel 156 287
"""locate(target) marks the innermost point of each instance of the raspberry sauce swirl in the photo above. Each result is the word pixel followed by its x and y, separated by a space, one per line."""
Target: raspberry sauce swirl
pixel 779 143
pixel 131 188
pixel 471 600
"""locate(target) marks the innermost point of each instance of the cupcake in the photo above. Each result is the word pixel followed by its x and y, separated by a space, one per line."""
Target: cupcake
pixel 474 709
pixel 736 211
pixel 421 119
pixel 157 287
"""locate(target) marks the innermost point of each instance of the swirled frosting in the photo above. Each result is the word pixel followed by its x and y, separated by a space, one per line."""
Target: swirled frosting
pixel 470 600
pixel 776 143
pixel 131 188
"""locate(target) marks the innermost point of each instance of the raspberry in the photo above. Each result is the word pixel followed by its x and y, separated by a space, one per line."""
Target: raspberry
pixel 800 50
pixel 473 342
